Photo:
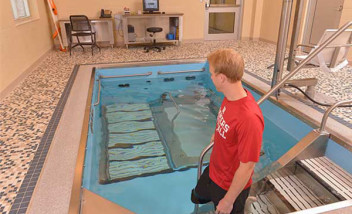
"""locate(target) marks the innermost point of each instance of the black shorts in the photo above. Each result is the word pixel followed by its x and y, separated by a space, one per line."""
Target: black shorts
pixel 206 191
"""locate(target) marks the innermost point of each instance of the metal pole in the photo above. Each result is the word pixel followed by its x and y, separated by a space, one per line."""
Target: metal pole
pixel 326 115
pixel 200 166
pixel 310 56
pixel 295 33
pixel 282 41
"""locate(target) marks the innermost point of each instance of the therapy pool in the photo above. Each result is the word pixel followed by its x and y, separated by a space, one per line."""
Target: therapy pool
pixel 148 126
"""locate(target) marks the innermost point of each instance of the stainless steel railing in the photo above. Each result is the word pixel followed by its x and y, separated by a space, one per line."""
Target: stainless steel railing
pixel 328 111
pixel 99 88
pixel 177 108
pixel 116 76
pixel 177 72
pixel 91 115
pixel 305 61
pixel 201 157
pixel 129 75
pixel 200 166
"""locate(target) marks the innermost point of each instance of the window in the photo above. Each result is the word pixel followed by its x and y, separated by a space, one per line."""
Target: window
pixel 20 9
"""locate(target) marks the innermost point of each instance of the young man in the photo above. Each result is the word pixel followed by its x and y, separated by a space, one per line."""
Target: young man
pixel 237 138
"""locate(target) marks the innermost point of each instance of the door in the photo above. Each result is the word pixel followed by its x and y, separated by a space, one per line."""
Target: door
pixel 321 15
pixel 222 19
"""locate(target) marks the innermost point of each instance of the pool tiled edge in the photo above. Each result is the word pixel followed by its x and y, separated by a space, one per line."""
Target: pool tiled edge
pixel 25 192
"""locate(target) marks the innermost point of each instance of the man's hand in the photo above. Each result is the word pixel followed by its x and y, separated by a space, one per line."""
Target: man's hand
pixel 224 207
pixel 239 181
pixel 212 138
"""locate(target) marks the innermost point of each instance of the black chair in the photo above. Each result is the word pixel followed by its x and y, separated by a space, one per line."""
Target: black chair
pixel 81 27
pixel 153 45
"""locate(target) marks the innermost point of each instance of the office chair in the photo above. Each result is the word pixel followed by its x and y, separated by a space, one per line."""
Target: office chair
pixel 153 45
pixel 81 27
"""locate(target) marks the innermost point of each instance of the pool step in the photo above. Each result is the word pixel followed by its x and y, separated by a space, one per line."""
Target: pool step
pixel 133 152
pixel 263 206
pixel 115 117
pixel 310 183
pixel 134 148
pixel 294 192
pixel 117 140
pixel 126 170
pixel 127 107
pixel 330 175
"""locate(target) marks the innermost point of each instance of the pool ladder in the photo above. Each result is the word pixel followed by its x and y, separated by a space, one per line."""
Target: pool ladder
pixel 315 135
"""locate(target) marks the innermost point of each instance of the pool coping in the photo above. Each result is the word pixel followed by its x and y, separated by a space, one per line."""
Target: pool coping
pixel 38 201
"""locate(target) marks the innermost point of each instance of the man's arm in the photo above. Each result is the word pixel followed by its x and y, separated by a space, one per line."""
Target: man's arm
pixel 239 181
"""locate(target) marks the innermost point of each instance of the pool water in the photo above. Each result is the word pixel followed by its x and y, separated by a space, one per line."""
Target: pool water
pixel 155 171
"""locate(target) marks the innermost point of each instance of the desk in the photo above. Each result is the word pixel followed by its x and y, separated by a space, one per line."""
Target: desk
pixel 103 28
pixel 141 22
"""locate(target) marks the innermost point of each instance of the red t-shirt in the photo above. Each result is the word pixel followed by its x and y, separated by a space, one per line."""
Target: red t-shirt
pixel 238 138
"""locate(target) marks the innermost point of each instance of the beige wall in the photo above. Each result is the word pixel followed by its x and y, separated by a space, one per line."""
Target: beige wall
pixel 193 27
pixel 346 16
pixel 270 20
pixel 21 45
pixel 193 10
pixel 346 12
pixel 251 22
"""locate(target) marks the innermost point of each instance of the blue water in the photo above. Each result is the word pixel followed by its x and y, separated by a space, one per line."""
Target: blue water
pixel 170 192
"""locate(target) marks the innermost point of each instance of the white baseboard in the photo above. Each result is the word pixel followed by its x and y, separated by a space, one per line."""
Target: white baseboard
pixel 22 76
pixel 193 40
pixel 250 39
pixel 267 41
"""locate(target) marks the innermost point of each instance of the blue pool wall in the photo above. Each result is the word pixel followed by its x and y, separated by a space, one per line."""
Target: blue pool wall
pixel 340 155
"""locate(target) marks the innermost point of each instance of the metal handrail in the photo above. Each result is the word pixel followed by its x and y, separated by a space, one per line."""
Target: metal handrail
pixel 176 106
pixel 278 85
pixel 305 61
pixel 200 166
pixel 177 72
pixel 129 75
pixel 116 76
pixel 201 157
pixel 91 115
pixel 328 111
pixel 98 99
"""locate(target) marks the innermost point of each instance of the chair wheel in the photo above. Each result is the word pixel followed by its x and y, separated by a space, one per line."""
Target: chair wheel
pixel 146 51
pixel 163 48
pixel 145 48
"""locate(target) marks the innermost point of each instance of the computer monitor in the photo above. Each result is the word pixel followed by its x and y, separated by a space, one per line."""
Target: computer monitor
pixel 150 6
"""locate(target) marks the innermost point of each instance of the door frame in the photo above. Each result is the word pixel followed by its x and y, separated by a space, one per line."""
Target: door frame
pixel 220 8
pixel 307 32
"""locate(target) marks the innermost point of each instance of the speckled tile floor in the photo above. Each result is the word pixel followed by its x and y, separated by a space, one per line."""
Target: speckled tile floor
pixel 26 111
